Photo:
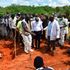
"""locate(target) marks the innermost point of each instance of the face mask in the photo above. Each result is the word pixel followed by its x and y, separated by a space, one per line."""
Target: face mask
pixel 36 19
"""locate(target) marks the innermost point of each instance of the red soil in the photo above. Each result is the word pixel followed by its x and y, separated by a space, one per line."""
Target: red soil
pixel 23 61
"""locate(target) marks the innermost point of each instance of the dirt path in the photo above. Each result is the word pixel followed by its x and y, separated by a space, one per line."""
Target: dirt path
pixel 60 60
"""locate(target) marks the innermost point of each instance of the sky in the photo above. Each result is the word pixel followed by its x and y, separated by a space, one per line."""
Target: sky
pixel 53 3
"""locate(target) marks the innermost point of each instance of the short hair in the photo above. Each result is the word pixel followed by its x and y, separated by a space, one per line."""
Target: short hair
pixel 18 14
pixel 38 62
pixel 51 18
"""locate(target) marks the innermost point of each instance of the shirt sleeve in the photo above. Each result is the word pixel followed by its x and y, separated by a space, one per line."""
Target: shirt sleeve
pixel 23 24
pixel 18 25
pixel 58 30
pixel 41 25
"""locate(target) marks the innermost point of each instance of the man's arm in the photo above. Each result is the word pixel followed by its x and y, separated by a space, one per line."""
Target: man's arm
pixel 26 29
pixel 58 30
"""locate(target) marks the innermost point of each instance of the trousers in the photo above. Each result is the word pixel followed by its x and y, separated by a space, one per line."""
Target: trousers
pixel 27 40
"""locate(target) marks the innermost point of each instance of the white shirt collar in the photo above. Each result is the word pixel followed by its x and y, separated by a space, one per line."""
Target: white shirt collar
pixel 40 68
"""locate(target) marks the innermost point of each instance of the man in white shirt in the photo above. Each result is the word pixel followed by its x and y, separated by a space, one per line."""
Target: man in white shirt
pixel 13 20
pixel 37 29
pixel 61 41
pixel 32 20
pixel 53 33
pixel 65 20
pixel 63 30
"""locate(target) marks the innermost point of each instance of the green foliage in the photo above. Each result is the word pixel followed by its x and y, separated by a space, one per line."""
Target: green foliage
pixel 35 10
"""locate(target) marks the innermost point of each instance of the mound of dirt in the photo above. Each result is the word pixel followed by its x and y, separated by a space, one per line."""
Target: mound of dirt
pixel 23 61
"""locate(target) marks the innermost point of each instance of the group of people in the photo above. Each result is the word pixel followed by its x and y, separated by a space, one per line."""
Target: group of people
pixel 57 31
pixel 29 30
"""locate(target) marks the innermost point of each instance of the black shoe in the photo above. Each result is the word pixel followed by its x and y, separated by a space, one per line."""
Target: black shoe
pixel 61 46
pixel 35 48
pixel 48 50
pixel 52 53
pixel 32 46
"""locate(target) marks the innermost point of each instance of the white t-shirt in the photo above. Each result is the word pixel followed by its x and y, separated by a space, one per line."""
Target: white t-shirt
pixel 36 26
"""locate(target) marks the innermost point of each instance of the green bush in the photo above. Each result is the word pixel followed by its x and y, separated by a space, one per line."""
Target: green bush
pixel 35 10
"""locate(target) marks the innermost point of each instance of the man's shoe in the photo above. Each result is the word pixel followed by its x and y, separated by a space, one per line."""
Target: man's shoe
pixel 61 47
pixel 52 53
pixel 26 52
pixel 31 50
